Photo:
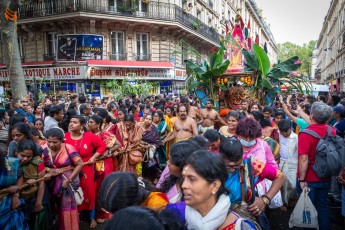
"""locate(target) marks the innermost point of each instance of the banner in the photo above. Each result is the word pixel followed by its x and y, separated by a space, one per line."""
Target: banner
pixel 78 47
pixel 51 73
pixel 137 73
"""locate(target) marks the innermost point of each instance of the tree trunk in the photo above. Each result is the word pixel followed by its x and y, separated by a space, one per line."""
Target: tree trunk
pixel 11 50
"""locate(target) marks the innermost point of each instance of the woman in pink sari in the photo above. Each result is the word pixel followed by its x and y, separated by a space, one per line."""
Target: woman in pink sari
pixel 57 156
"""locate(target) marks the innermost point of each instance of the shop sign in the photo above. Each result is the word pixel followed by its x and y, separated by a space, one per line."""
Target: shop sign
pixel 77 47
pixel 138 73
pixel 51 73
pixel 180 74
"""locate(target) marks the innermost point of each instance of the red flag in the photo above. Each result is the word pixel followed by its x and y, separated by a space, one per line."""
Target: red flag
pixel 213 50
pixel 248 26
pixel 257 39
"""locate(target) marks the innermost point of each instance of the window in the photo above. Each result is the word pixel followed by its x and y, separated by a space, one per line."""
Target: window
pixel 142 47
pixel 198 14
pixel 21 48
pixel 210 3
pixel 184 55
pixel 229 14
pixel 343 39
pixel 117 46
pixel 51 47
pixel 113 5
pixel 209 22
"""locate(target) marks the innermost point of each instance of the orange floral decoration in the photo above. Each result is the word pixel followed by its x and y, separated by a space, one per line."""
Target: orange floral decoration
pixel 10 15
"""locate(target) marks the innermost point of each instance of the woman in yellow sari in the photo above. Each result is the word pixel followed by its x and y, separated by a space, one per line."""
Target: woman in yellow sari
pixel 170 119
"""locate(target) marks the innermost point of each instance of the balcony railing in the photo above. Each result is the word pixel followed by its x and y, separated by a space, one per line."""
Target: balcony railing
pixel 118 56
pixel 142 57
pixel 49 57
pixel 154 10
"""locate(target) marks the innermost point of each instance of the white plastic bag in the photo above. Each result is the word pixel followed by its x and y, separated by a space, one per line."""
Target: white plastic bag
pixel 304 215
pixel 263 188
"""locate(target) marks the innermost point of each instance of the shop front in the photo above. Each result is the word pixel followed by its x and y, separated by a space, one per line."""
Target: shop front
pixel 99 72
pixel 51 80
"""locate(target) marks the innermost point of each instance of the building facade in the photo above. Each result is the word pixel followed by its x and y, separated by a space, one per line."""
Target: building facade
pixel 330 48
pixel 79 43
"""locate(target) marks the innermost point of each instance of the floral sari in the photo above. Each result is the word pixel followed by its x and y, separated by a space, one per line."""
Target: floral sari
pixel 64 197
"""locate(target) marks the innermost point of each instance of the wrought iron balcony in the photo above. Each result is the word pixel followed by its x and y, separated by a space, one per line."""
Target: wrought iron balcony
pixel 118 56
pixel 49 57
pixel 153 10
pixel 142 57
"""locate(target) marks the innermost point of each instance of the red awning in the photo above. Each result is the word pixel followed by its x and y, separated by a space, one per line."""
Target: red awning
pixel 30 64
pixel 39 63
pixel 131 64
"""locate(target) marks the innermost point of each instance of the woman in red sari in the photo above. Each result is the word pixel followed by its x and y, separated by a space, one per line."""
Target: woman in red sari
pixel 57 155
pixel 104 167
pixel 90 147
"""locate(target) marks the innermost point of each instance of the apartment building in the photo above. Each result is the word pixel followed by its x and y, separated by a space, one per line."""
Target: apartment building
pixel 79 43
pixel 330 48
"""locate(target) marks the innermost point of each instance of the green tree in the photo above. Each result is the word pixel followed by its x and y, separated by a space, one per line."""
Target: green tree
pixel 304 52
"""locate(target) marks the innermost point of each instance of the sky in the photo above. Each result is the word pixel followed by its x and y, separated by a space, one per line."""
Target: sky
pixel 296 21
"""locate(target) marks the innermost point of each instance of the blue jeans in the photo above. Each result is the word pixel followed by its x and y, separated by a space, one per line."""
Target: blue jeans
pixel 318 195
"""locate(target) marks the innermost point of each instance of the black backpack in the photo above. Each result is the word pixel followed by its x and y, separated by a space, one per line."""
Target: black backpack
pixel 329 155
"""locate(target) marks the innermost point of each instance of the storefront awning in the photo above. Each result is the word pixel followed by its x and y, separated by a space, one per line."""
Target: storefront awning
pixel 33 64
pixel 130 64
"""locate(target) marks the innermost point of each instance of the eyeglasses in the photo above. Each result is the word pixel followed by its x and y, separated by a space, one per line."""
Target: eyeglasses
pixel 234 165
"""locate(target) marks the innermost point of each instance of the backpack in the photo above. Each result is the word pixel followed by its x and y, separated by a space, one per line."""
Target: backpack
pixel 329 155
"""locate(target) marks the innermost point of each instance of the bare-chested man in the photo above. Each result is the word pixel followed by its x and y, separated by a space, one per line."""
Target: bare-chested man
pixel 210 116
pixel 184 128
pixel 193 111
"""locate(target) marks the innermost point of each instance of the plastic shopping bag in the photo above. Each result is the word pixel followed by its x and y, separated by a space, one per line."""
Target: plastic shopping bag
pixel 304 215
pixel 263 188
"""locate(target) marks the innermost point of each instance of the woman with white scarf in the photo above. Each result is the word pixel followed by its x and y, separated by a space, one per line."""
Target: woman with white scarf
pixel 207 204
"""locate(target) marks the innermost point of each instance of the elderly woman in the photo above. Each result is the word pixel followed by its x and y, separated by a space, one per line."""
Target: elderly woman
pixel 171 178
pixel 131 135
pixel 243 173
pixel 58 156
pixel 206 203
pixel 232 119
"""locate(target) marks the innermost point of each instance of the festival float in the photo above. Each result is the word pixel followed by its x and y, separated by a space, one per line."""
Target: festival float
pixel 241 69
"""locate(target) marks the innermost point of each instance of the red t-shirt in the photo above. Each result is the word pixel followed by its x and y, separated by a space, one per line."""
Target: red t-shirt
pixel 307 146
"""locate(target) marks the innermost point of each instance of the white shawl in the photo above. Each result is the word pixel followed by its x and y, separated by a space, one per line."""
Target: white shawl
pixel 214 218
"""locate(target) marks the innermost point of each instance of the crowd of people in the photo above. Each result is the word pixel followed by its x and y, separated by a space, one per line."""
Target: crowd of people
pixel 162 162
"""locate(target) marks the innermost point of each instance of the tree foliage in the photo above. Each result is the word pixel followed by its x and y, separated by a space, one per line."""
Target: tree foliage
pixel 304 52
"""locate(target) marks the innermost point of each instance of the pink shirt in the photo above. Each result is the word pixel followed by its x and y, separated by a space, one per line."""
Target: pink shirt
pixel 261 151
